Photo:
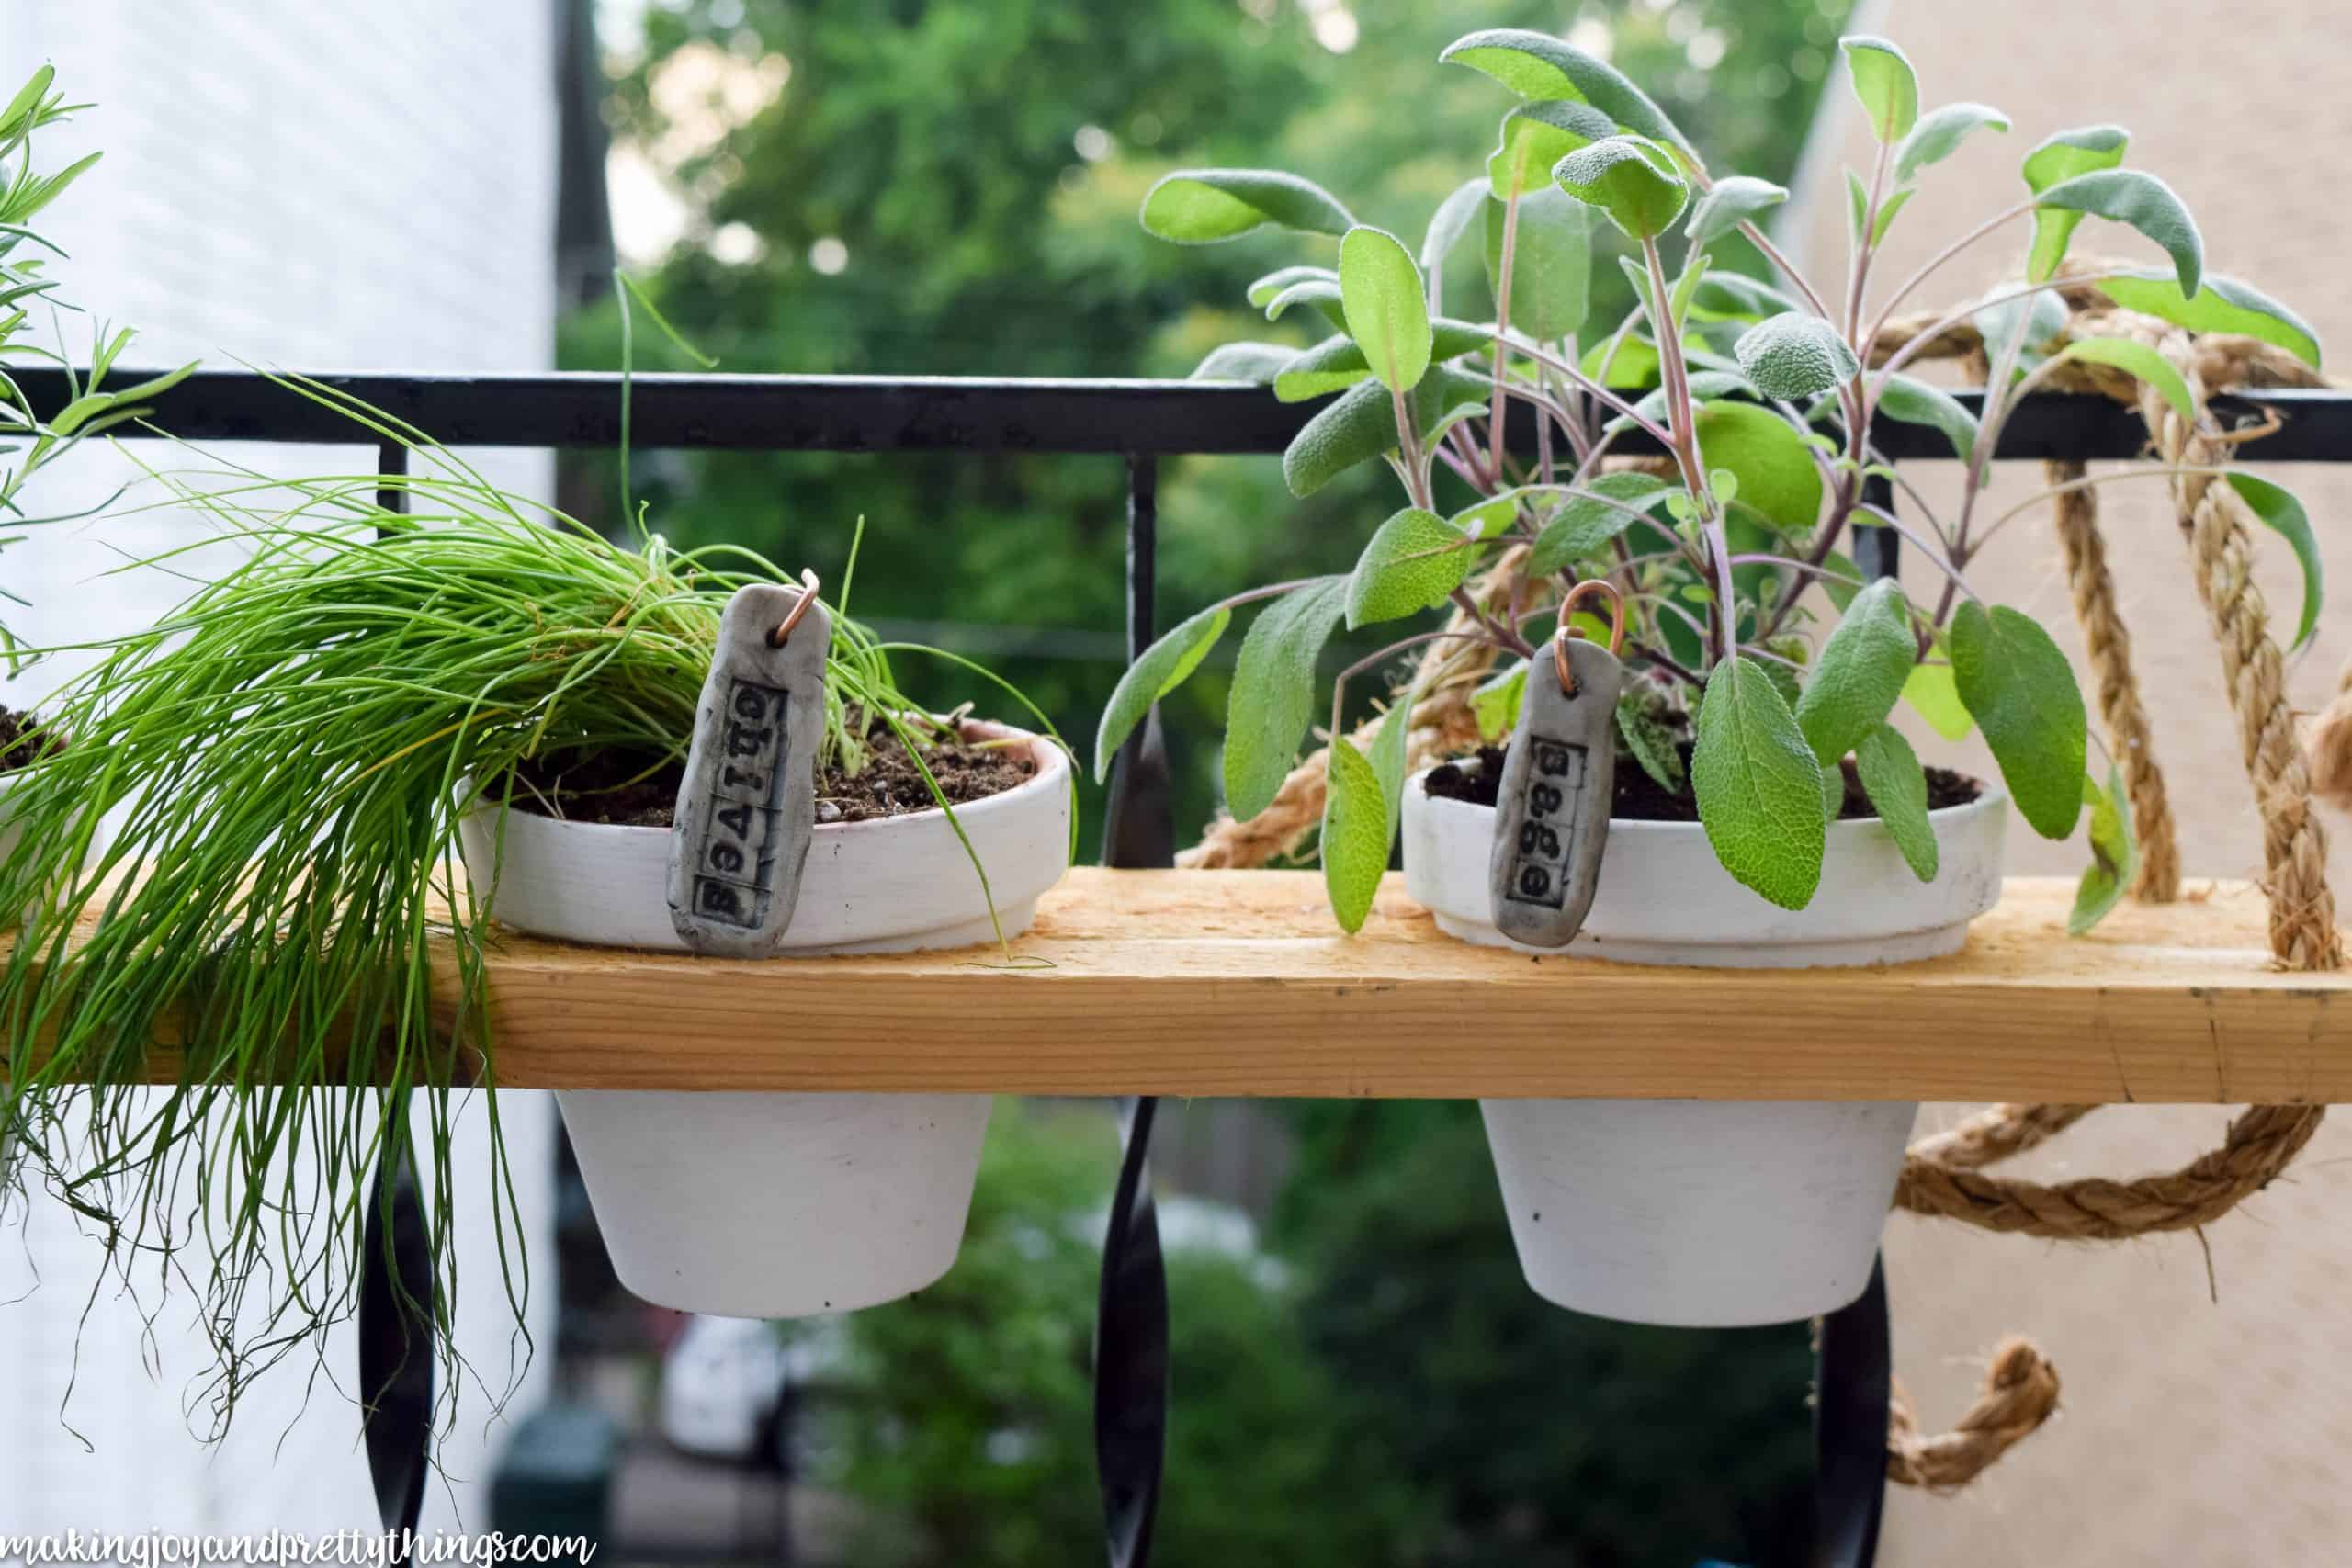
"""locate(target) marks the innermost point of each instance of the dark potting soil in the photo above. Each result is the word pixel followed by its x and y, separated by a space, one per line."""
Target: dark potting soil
pixel 614 787
pixel 1641 798
pixel 22 742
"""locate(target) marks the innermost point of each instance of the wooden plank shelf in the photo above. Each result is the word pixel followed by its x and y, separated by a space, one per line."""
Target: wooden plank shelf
pixel 1237 983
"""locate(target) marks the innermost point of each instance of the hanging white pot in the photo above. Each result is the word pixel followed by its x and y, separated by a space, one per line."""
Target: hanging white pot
pixel 770 1204
pixel 1709 1213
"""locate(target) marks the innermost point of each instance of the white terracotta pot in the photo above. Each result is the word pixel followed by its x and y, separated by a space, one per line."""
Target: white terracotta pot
pixel 1709 1213
pixel 783 1205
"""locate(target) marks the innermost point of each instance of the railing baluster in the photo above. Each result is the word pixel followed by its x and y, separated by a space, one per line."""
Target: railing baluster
pixel 1851 1388
pixel 396 1288
pixel 1876 546
pixel 392 463
pixel 1131 1354
pixel 1139 822
pixel 1131 1324
pixel 396 1340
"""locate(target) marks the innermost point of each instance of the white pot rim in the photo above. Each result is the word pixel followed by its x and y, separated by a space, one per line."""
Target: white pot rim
pixel 1053 771
pixel 1989 795
pixel 883 885
pixel 1665 898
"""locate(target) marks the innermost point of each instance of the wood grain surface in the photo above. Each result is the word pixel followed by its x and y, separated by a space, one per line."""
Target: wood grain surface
pixel 1237 983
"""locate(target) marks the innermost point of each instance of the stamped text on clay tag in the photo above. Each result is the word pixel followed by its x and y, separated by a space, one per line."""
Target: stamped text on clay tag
pixel 1551 809
pixel 747 808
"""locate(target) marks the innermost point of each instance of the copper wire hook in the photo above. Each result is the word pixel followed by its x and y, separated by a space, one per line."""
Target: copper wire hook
pixel 1591 585
pixel 782 632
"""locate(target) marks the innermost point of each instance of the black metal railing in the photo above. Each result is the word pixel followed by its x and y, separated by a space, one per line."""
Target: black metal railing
pixel 1140 422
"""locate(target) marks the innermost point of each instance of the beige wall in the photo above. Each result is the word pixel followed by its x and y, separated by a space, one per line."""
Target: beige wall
pixel 2194 1431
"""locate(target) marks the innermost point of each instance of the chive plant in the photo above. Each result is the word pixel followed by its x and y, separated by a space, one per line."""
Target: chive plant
pixel 283 940
pixel 1764 395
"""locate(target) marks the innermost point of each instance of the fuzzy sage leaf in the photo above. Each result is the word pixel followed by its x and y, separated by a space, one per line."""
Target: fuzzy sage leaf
pixel 1450 223
pixel 1582 528
pixel 1914 401
pixel 1414 561
pixel 2058 158
pixel 2281 512
pixel 1633 181
pixel 2022 693
pixel 1362 805
pixel 1361 424
pixel 1355 834
pixel 1536 65
pixel 1165 665
pixel 1534 137
pixel 1734 200
pixel 1940 133
pixel 1274 692
pixel 1338 363
pixel 1387 308
pixel 2220 305
pixel 1859 672
pixel 1323 293
pixel 1258 362
pixel 1884 84
pixel 1796 355
pixel 1897 788
pixel 1759 785
pixel 1493 517
pixel 1777 474
pixel 2115 854
pixel 1199 207
pixel 1332 365
pixel 2133 198
pixel 2141 363
pixel 1934 697
pixel 1551 278
pixel 1265 291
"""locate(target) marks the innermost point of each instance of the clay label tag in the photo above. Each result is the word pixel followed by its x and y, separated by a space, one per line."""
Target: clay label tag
pixel 1552 815
pixel 747 810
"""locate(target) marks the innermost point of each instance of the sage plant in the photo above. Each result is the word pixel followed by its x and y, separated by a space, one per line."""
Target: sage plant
pixel 1753 639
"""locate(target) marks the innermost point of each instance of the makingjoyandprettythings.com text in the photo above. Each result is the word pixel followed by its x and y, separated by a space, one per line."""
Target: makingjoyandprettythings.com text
pixel 339 1549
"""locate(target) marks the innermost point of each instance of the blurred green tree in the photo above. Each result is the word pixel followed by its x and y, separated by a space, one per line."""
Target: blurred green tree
pixel 949 187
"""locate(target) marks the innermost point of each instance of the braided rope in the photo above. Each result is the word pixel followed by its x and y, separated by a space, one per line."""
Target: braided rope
pixel 1996 1133
pixel 2109 646
pixel 2260 1143
pixel 2327 747
pixel 2302 909
pixel 2020 1393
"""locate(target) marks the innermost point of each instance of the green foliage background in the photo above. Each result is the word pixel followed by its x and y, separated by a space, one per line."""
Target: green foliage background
pixel 938 142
